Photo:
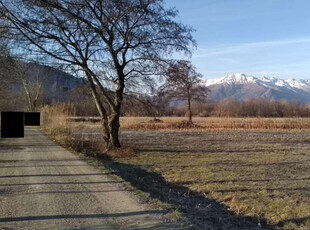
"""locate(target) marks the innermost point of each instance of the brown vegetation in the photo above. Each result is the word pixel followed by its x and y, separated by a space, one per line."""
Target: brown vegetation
pixel 215 123
pixel 56 122
pixel 54 119
pixel 259 108
pixel 254 108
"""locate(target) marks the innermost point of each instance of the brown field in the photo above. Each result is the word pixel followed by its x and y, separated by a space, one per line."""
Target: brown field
pixel 226 174
pixel 264 175
pixel 206 123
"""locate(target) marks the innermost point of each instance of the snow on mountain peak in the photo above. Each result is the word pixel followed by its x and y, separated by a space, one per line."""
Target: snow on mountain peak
pixel 237 78
pixel 242 87
pixel 270 82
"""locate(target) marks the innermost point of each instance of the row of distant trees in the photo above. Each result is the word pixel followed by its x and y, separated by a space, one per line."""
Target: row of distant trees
pixel 260 108
pixel 231 108
pixel 161 105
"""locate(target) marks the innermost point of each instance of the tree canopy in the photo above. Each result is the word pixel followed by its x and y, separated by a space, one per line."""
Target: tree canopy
pixel 118 45
pixel 184 83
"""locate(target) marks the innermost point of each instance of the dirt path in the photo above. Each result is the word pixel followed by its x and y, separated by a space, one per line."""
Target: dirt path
pixel 43 186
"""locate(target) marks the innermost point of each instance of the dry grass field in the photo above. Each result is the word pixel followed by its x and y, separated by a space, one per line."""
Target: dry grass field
pixel 265 175
pixel 205 123
pixel 226 173
pixel 215 123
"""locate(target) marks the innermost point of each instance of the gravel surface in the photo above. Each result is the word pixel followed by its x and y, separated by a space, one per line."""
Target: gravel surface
pixel 44 186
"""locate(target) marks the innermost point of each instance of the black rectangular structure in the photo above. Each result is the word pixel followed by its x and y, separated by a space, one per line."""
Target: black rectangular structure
pixel 32 119
pixel 12 124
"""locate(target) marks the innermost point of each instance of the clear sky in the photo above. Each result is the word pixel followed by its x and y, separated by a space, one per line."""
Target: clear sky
pixel 256 37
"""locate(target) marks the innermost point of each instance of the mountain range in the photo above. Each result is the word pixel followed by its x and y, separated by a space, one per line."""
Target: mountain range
pixel 238 86
pixel 242 87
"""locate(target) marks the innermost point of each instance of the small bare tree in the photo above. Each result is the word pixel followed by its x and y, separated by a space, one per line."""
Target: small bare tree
pixel 32 83
pixel 184 83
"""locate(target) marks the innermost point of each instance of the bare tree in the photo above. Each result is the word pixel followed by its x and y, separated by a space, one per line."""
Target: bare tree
pixel 14 73
pixel 5 83
pixel 117 45
pixel 32 83
pixel 6 72
pixel 184 83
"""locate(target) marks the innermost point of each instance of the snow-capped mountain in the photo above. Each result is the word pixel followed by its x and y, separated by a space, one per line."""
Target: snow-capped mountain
pixel 242 87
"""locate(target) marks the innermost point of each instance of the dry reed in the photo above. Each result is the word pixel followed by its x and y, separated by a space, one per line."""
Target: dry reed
pixel 54 119
pixel 56 123
pixel 216 123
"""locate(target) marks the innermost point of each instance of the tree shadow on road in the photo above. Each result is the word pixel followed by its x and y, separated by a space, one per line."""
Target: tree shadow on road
pixel 198 210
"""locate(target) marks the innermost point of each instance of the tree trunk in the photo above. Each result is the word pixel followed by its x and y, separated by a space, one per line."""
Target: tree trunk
pixel 189 109
pixel 101 110
pixel 34 106
pixel 114 130
pixel 110 122
pixel 29 101
pixel 35 100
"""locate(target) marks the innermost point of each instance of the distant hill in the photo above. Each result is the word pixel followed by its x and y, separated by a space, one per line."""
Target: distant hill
pixel 242 87
pixel 56 83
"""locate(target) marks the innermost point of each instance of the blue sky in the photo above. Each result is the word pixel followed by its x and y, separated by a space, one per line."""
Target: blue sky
pixel 255 37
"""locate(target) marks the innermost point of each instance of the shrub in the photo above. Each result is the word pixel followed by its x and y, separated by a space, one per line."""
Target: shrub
pixel 55 119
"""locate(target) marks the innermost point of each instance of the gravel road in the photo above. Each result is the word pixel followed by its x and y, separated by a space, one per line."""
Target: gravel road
pixel 44 186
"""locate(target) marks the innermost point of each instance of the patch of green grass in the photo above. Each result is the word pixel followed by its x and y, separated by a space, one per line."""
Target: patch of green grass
pixel 175 216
